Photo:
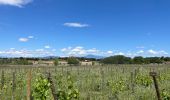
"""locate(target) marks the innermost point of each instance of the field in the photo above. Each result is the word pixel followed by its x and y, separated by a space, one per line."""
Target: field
pixel 108 82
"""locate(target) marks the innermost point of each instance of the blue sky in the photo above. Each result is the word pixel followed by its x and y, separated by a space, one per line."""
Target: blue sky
pixel 82 27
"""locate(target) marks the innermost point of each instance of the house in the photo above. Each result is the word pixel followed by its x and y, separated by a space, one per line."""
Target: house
pixel 86 63
pixel 42 63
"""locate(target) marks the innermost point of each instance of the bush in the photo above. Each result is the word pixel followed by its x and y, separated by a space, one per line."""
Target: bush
pixel 73 61
pixel 56 62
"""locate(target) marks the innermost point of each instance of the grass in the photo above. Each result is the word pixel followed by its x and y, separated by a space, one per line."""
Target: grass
pixel 91 81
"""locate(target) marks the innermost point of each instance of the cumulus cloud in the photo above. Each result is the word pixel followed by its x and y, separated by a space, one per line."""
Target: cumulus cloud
pixel 110 52
pixel 119 53
pixel 81 51
pixel 18 3
pixel 154 52
pixel 140 51
pixel 78 51
pixel 77 25
pixel 27 53
pixel 151 52
pixel 23 39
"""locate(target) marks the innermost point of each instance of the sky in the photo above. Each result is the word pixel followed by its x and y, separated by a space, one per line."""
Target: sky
pixel 35 28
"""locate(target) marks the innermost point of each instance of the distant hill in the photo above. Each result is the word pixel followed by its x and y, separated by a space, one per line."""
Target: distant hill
pixel 49 57
pixel 94 56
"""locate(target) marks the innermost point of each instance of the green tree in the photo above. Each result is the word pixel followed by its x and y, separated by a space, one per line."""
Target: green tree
pixel 167 59
pixel 157 60
pixel 138 60
pixel 21 61
pixel 56 62
pixel 118 59
pixel 93 63
pixel 73 61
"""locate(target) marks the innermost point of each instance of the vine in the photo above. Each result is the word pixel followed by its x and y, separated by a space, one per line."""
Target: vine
pixel 41 88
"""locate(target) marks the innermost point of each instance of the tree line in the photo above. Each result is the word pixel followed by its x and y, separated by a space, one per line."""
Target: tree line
pixel 120 59
pixel 117 59
pixel 14 61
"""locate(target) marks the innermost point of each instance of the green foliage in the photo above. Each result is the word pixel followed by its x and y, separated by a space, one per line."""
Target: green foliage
pixel 117 86
pixel 41 88
pixel 157 60
pixel 138 60
pixel 69 92
pixel 167 59
pixel 21 82
pixel 22 62
pixel 14 61
pixel 93 63
pixel 144 80
pixel 82 82
pixel 165 95
pixel 2 79
pixel 163 77
pixel 56 62
pixel 119 59
pixel 73 61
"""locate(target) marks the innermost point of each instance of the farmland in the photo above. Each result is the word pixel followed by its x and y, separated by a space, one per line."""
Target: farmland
pixel 107 82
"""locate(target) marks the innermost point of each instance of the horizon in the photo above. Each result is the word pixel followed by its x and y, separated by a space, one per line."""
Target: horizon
pixel 39 28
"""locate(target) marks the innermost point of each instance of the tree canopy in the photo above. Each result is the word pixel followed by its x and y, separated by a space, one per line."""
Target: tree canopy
pixel 73 61
pixel 120 59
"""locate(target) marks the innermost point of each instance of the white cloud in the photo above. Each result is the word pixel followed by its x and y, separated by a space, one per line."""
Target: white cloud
pixel 110 52
pixel 93 50
pixel 78 25
pixel 26 53
pixel 64 50
pixel 79 51
pixel 163 52
pixel 18 3
pixel 154 52
pixel 30 37
pixel 39 50
pixel 47 47
pixel 140 52
pixel 23 39
pixel 119 53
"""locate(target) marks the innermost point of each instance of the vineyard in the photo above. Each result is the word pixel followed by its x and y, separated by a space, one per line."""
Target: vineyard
pixel 108 82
